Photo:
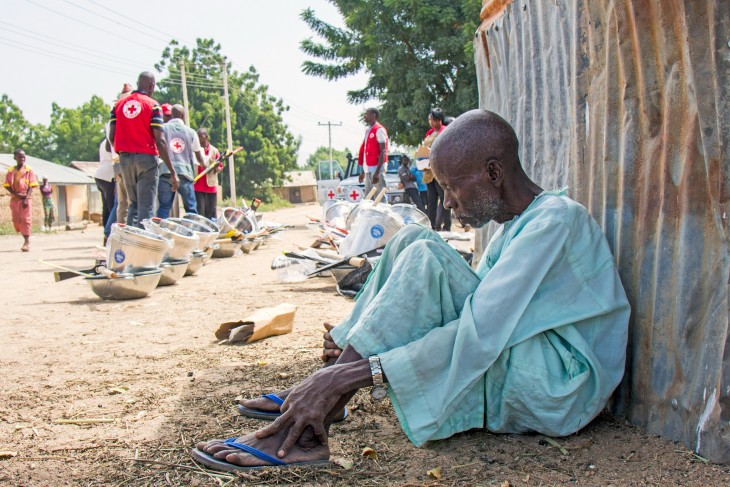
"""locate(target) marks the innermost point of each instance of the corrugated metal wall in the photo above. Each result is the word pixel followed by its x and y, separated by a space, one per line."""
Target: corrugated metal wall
pixel 626 102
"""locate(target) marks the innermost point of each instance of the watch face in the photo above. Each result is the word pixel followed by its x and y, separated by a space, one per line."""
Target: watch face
pixel 378 393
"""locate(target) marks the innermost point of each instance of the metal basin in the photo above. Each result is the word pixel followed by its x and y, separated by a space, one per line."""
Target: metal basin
pixel 410 214
pixel 248 245
pixel 209 251
pixel 196 262
pixel 131 249
pixel 226 249
pixel 133 286
pixel 206 234
pixel 173 272
pixel 203 221
pixel 185 240
pixel 233 220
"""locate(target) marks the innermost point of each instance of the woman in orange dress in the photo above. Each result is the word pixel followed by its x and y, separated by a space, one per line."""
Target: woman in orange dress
pixel 20 181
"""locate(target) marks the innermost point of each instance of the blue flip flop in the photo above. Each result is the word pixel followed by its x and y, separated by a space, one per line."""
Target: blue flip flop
pixel 270 415
pixel 210 461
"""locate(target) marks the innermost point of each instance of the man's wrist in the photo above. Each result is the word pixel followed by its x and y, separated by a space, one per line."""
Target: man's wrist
pixel 352 376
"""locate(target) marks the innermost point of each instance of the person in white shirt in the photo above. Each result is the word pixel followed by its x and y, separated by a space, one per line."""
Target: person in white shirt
pixel 104 178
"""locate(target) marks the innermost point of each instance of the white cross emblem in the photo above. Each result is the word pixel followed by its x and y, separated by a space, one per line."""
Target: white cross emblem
pixel 132 108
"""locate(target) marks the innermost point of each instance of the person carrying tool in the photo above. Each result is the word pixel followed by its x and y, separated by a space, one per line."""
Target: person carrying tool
pixel 534 339
pixel 206 188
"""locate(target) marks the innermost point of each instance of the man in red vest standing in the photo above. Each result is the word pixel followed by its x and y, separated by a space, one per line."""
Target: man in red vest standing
pixel 373 152
pixel 137 133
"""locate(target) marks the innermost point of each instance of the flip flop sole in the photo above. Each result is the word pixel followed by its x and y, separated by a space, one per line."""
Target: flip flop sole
pixel 269 415
pixel 212 462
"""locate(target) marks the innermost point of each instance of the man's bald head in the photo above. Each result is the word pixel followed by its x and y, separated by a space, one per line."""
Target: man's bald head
pixel 178 111
pixel 146 82
pixel 476 161
pixel 474 138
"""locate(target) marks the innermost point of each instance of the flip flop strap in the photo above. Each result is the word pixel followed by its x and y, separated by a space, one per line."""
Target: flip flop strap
pixel 273 397
pixel 253 451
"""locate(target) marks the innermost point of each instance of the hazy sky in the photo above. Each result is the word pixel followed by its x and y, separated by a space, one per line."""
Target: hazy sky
pixel 68 50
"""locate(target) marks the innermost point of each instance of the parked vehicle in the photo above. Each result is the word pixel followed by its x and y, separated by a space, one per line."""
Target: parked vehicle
pixel 350 189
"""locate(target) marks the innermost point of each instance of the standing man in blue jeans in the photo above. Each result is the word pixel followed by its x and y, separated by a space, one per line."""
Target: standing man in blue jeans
pixel 182 143
pixel 136 129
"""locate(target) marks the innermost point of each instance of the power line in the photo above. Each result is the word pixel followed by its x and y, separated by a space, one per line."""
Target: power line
pixel 143 32
pixel 66 58
pixel 91 25
pixel 73 47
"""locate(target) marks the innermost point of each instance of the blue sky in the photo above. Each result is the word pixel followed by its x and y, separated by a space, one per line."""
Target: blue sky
pixel 93 55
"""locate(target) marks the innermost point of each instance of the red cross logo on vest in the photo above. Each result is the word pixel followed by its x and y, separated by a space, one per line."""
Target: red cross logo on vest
pixel 132 108
pixel 177 145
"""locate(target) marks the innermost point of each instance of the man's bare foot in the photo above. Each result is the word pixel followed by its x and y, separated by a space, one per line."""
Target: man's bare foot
pixel 264 403
pixel 267 405
pixel 307 449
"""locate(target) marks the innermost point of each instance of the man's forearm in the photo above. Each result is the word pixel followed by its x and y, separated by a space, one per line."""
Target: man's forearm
pixel 162 148
pixel 352 376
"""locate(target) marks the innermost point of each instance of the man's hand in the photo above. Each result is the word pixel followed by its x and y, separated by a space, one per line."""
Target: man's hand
pixel 376 177
pixel 174 181
pixel 306 405
pixel 361 177
pixel 331 350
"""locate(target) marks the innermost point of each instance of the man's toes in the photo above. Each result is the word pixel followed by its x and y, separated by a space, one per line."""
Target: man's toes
pixel 216 447
pixel 224 453
pixel 243 460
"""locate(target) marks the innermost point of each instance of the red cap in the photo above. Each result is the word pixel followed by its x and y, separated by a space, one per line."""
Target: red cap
pixel 166 109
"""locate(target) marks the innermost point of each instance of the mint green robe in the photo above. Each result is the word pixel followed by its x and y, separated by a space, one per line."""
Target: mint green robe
pixel 533 340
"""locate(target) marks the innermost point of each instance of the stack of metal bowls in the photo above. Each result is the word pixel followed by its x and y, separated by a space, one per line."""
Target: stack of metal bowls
pixel 185 240
pixel 127 286
pixel 131 249
pixel 206 234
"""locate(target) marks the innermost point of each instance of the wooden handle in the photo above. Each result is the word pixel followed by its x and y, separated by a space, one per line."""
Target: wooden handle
pixel 356 261
pixel 380 197
pixel 64 268
pixel 371 193
pixel 106 272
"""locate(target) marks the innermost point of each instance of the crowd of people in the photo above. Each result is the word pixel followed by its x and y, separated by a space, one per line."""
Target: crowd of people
pixel 133 185
pixel 140 133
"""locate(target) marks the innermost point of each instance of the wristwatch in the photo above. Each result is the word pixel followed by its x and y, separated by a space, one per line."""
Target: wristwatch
pixel 378 391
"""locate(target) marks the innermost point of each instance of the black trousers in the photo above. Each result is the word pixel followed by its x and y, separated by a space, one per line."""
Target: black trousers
pixel 106 188
pixel 207 203
pixel 415 197
pixel 440 217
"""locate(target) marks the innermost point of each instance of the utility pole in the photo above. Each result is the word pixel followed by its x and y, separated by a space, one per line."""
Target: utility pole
pixel 185 92
pixel 329 126
pixel 229 134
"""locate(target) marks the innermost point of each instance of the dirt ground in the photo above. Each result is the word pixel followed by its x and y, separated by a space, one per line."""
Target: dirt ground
pixel 153 370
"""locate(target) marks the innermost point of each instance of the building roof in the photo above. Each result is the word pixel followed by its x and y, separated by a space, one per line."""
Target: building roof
pixel 88 167
pixel 56 173
pixel 299 178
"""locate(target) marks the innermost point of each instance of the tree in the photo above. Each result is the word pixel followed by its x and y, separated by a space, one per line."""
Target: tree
pixel 13 125
pixel 256 117
pixel 75 133
pixel 419 55
pixel 323 154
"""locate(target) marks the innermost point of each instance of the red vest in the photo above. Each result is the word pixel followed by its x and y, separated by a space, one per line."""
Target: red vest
pixel 371 153
pixel 134 117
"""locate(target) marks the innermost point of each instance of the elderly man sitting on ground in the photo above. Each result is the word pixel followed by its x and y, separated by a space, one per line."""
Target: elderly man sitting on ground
pixel 534 339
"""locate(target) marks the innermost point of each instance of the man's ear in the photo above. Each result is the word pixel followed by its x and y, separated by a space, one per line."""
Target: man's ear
pixel 495 171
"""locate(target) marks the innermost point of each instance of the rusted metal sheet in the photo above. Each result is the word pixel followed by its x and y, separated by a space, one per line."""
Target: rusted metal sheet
pixel 626 102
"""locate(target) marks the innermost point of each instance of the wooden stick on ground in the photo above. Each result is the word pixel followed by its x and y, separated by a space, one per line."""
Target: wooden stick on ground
pixel 83 421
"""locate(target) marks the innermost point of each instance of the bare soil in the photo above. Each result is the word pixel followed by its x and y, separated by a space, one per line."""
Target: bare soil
pixel 153 369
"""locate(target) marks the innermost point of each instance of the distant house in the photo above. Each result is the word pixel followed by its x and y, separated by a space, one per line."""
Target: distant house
pixel 71 189
pixel 94 195
pixel 298 187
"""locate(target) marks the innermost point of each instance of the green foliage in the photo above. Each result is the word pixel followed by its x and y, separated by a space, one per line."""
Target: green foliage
pixel 323 154
pixel 419 55
pixel 13 125
pixel 73 134
pixel 256 117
